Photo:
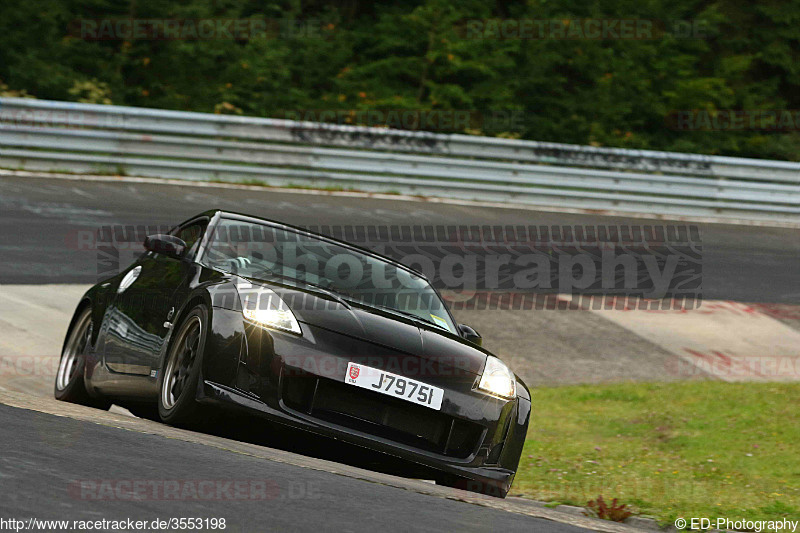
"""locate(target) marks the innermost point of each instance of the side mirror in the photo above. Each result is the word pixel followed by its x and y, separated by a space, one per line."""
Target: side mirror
pixel 165 244
pixel 470 334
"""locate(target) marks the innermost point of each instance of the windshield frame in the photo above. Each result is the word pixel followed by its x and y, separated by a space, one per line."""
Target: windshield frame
pixel 220 216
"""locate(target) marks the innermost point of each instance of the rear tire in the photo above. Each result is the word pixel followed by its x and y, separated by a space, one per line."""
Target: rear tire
pixel 177 383
pixel 69 384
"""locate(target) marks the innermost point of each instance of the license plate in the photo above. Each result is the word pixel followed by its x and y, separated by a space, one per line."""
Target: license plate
pixel 390 384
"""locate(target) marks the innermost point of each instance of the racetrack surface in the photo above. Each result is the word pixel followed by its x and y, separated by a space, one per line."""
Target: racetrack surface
pixel 57 467
pixel 40 218
pixel 47 273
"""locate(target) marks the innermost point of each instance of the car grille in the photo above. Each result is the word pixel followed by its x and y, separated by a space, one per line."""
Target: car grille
pixel 382 416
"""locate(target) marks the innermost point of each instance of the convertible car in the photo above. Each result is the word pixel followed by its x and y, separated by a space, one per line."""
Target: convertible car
pixel 303 330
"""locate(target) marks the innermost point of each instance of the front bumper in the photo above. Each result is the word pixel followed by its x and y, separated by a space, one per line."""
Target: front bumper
pixel 299 381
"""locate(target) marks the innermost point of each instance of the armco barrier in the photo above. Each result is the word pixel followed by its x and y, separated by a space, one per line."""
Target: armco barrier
pixel 86 138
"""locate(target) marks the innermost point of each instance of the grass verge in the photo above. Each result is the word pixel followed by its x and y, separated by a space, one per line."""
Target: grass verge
pixel 697 449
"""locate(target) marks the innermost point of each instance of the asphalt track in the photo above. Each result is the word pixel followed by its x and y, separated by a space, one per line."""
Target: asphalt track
pixel 56 468
pixel 39 218
pixel 43 455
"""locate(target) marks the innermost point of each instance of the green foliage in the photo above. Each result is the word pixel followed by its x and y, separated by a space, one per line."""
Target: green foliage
pixel 5 91
pixel 90 92
pixel 415 55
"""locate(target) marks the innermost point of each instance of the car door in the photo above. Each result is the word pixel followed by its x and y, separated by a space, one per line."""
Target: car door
pixel 146 300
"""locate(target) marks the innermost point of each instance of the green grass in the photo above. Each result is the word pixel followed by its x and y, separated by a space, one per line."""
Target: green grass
pixel 699 449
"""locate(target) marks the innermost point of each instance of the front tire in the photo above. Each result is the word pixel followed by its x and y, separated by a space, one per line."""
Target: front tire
pixel 177 404
pixel 69 384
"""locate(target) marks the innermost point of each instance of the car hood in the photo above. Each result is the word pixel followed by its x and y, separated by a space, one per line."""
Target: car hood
pixel 324 309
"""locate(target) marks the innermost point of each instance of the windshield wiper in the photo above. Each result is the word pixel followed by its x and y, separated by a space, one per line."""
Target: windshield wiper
pixel 272 274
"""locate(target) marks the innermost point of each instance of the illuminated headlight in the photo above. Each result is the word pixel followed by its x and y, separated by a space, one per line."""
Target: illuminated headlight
pixel 497 379
pixel 265 308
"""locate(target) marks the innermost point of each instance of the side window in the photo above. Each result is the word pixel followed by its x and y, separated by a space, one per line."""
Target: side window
pixel 191 235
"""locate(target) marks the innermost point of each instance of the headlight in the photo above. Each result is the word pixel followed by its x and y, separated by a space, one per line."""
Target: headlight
pixel 497 379
pixel 262 306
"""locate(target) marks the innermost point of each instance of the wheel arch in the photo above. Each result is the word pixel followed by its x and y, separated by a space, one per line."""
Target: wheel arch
pixel 86 302
pixel 221 353
pixel 199 296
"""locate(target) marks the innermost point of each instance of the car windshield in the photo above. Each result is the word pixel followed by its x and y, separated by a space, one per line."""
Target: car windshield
pixel 272 253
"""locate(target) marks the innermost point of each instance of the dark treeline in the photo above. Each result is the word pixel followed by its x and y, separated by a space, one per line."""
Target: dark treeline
pixel 717 77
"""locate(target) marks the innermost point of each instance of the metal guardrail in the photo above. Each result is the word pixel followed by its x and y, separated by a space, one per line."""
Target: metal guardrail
pixel 87 138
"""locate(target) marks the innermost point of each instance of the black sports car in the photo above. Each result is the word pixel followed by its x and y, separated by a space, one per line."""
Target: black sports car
pixel 304 330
